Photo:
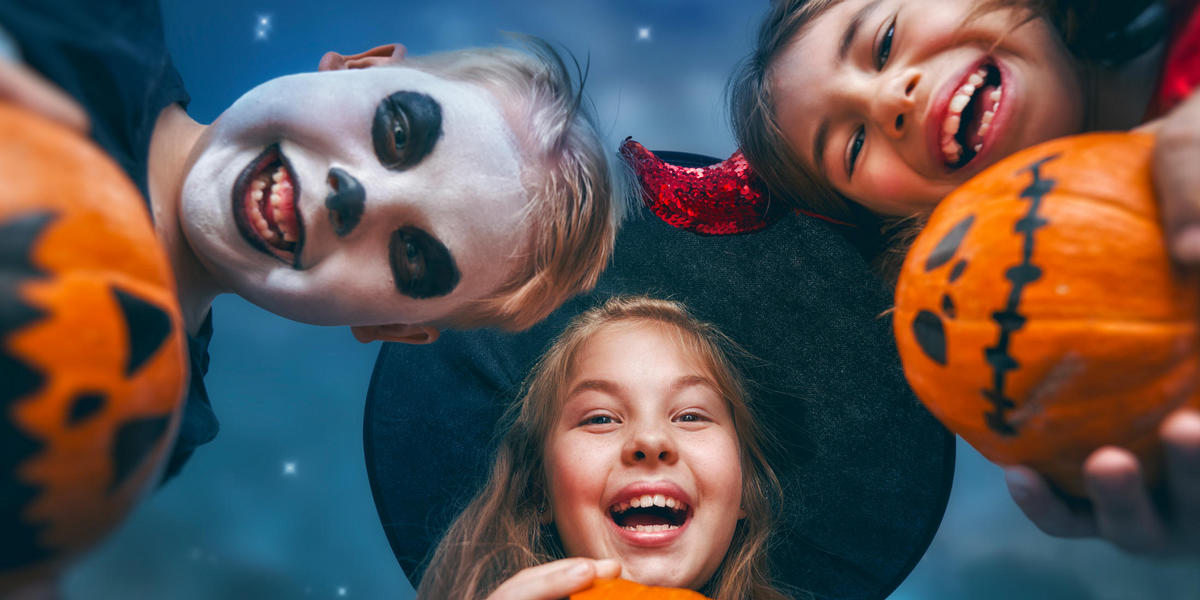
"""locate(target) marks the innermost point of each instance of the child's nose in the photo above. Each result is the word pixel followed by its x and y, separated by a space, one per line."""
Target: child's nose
pixel 895 103
pixel 345 202
pixel 649 447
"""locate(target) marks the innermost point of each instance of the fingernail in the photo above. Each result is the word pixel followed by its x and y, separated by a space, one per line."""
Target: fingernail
pixel 581 569
pixel 606 564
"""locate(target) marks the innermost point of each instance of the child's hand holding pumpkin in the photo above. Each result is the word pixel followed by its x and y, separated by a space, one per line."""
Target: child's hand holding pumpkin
pixel 555 580
pixel 1122 510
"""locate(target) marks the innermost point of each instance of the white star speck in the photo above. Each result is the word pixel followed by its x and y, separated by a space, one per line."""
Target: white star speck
pixel 643 34
pixel 289 468
pixel 342 591
pixel 262 27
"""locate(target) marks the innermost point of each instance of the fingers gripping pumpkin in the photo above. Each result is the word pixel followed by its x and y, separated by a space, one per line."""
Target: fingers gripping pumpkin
pixel 92 362
pixel 623 589
pixel 1038 315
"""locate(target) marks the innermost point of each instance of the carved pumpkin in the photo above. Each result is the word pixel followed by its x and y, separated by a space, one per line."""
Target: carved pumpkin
pixel 92 354
pixel 623 589
pixel 1038 315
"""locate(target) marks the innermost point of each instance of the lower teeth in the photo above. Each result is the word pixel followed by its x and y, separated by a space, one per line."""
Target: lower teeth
pixel 650 528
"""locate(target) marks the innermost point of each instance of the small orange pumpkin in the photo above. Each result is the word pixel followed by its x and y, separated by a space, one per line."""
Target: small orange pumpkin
pixel 1038 315
pixel 623 589
pixel 92 351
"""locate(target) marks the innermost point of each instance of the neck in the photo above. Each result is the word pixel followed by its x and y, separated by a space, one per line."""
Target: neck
pixel 175 135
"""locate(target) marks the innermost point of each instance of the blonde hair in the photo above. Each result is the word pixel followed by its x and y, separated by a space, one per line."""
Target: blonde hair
pixel 500 531
pixel 577 190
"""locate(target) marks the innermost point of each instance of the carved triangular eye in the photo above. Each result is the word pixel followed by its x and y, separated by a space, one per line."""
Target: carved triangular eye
pixel 930 334
pixel 945 249
pixel 147 327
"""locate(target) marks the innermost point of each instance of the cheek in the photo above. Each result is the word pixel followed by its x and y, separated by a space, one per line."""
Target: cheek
pixel 716 461
pixel 891 187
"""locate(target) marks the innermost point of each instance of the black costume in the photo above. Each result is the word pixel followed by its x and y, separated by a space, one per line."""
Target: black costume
pixel 112 58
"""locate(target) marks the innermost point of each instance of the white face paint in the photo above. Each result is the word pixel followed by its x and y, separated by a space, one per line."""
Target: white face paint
pixel 459 190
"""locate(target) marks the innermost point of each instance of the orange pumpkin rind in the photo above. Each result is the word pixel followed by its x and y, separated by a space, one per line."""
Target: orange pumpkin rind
pixel 1038 315
pixel 95 360
pixel 623 589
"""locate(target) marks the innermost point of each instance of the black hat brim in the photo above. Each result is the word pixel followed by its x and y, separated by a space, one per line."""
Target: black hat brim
pixel 866 470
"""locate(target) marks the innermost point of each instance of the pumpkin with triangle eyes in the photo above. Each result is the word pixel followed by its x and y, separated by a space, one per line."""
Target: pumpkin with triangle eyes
pixel 1038 314
pixel 623 589
pixel 92 353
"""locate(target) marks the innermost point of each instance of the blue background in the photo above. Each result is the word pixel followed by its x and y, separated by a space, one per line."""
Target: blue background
pixel 238 523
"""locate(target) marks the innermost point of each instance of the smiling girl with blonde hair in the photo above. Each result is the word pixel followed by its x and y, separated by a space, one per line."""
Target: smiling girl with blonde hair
pixel 635 400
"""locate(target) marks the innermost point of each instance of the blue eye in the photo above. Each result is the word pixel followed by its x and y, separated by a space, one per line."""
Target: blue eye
pixel 885 46
pixel 598 420
pixel 856 144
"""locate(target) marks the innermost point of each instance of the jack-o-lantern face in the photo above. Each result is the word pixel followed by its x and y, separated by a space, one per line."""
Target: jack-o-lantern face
pixel 1038 314
pixel 92 354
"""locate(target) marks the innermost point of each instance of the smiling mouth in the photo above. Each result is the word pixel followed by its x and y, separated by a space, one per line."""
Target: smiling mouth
pixel 264 206
pixel 969 116
pixel 650 513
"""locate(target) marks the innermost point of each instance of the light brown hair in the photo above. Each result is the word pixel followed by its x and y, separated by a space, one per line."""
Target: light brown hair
pixel 500 531
pixel 577 190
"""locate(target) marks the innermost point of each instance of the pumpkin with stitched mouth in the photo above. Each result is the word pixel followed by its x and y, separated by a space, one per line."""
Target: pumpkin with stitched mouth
pixel 1038 314
pixel 92 351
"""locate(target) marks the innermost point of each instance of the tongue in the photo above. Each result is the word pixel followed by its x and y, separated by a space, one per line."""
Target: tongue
pixel 640 518
pixel 981 103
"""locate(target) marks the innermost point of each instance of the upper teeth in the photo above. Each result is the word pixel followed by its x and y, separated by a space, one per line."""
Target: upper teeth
pixel 950 146
pixel 647 500
pixel 280 211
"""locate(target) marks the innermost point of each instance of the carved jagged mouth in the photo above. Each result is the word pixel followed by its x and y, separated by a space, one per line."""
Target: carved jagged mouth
pixel 650 513
pixel 264 206
pixel 969 116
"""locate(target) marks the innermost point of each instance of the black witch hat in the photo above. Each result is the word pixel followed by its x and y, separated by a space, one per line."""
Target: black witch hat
pixel 866 470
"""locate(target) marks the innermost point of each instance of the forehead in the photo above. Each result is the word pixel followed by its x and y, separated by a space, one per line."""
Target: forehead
pixel 802 78
pixel 632 348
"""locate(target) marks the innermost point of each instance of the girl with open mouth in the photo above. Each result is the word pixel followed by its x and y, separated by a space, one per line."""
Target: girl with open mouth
pixel 634 446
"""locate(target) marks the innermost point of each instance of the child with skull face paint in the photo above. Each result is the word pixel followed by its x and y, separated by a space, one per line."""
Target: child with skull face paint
pixel 344 208
pixel 872 111
pixel 397 196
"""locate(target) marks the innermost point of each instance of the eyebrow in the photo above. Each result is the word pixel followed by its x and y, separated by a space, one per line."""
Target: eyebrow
pixel 848 37
pixel 613 388
pixel 819 143
pixel 852 28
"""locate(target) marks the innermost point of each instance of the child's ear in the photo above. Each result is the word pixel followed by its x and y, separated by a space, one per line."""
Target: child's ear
pixel 396 332
pixel 380 55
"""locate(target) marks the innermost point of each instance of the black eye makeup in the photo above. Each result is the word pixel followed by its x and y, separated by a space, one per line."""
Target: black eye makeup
pixel 406 127
pixel 421 265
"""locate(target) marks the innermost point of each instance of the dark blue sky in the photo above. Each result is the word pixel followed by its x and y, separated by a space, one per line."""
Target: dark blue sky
pixel 278 506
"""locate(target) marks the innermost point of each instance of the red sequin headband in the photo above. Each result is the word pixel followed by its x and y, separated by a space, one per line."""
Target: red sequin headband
pixel 722 199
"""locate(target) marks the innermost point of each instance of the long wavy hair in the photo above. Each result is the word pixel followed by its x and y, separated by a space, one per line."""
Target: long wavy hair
pixel 501 531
